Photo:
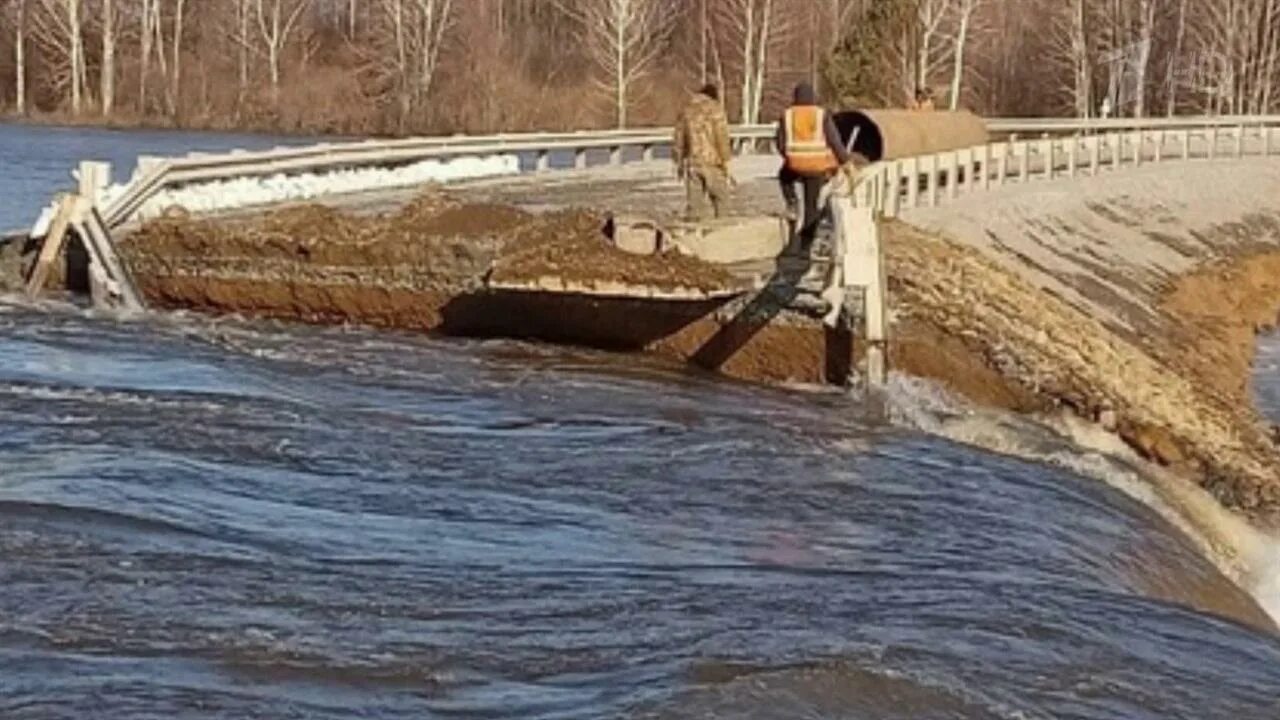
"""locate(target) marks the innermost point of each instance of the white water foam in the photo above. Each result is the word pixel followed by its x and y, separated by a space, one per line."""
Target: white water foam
pixel 1246 555
pixel 247 191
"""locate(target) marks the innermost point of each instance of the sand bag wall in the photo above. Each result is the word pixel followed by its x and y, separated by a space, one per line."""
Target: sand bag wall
pixel 894 134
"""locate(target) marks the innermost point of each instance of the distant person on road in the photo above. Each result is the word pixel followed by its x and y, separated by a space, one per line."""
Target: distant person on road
pixel 812 152
pixel 923 100
pixel 701 153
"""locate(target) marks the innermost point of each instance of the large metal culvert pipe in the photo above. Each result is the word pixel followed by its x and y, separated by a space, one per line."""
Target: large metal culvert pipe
pixel 895 134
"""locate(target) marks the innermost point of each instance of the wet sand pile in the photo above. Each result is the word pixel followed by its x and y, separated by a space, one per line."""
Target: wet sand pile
pixel 566 246
pixel 313 263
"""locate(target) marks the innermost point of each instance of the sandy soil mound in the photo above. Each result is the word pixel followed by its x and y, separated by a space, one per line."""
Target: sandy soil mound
pixel 568 245
pixel 1178 396
pixel 313 263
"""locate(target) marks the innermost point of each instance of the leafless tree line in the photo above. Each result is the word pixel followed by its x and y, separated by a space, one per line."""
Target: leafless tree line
pixel 394 66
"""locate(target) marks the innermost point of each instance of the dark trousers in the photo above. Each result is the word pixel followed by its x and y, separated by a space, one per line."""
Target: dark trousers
pixel 788 179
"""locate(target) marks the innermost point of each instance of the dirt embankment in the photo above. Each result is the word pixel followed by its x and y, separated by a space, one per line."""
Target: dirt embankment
pixel 403 270
pixel 1178 392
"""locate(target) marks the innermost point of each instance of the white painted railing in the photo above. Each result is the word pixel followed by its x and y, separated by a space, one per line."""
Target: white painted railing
pixel 931 180
pixel 886 189
pixel 155 175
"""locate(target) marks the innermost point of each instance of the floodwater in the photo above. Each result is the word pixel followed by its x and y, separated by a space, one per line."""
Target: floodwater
pixel 229 519
pixel 204 519
pixel 36 160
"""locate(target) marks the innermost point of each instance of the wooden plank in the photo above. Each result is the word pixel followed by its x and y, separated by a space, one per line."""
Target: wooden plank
pixel 54 243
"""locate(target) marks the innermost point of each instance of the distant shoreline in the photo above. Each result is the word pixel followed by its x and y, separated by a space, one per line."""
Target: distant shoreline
pixel 95 122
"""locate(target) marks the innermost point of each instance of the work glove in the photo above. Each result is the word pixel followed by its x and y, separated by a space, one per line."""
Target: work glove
pixel 850 172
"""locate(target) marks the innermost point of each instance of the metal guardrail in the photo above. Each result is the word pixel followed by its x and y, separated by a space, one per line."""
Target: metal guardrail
pixel 157 174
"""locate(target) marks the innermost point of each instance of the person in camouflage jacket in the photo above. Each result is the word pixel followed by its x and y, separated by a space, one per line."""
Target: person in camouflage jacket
pixel 701 153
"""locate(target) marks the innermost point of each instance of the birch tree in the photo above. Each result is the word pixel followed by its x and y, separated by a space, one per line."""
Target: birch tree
pixel 16 11
pixel 622 38
pixel 277 23
pixel 755 31
pixel 56 28
pixel 964 10
pixel 107 73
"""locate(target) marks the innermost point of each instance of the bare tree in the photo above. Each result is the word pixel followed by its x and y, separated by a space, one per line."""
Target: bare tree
pixel 277 23
pixel 107 73
pixel 17 12
pixel 756 32
pixel 57 30
pixel 623 38
pixel 964 10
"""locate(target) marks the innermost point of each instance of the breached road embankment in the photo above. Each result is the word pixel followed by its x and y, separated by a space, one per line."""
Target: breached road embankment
pixel 1130 299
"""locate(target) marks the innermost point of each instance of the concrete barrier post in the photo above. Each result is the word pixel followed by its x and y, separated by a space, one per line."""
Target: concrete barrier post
pixel 1213 142
pixel 580 159
pixel 1095 154
pixel 543 162
pixel 615 155
pixel 1139 147
pixel 913 182
pixel 1046 152
pixel 1117 153
pixel 1185 136
pixel 93 179
pixel 934 169
pixel 895 189
pixel 952 162
pixel 1073 156
pixel 1159 154
pixel 986 166
pixel 646 152
pixel 1240 141
pixel 1266 140
pixel 967 179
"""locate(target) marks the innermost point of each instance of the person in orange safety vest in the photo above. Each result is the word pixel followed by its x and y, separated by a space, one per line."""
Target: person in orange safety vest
pixel 812 153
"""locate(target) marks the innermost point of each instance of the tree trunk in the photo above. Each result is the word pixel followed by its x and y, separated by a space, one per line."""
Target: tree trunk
pixel 962 40
pixel 108 73
pixel 144 59
pixel 1146 29
pixel 1080 58
pixel 620 66
pixel 76 52
pixel 1180 35
pixel 20 59
pixel 176 79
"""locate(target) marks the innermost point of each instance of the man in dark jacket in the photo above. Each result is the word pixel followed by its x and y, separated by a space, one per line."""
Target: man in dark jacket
pixel 812 153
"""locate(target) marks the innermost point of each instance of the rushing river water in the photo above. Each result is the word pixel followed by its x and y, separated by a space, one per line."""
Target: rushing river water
pixel 229 519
